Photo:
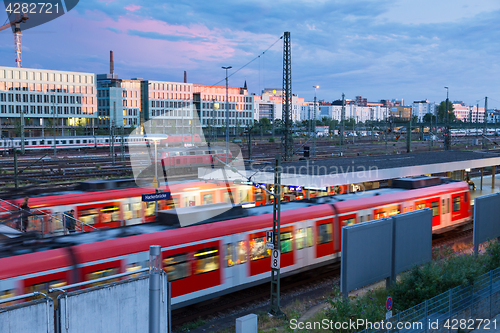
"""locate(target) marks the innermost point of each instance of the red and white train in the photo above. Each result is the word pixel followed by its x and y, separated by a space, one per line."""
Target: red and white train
pixel 114 203
pixel 97 141
pixel 206 260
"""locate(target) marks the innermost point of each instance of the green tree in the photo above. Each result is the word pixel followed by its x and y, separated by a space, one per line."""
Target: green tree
pixel 441 114
pixel 428 117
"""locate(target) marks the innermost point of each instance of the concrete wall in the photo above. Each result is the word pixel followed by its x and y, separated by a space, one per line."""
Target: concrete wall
pixel 121 307
pixel 29 317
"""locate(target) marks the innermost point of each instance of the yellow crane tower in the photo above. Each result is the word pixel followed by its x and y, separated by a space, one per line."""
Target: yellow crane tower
pixel 17 37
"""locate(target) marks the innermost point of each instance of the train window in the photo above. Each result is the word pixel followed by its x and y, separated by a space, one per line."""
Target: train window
pixel 420 206
pixel 465 197
pixel 286 242
pixel 84 141
pixel 259 197
pixel 7 294
pixel 448 205
pixel 49 142
pixel 63 142
pixel 70 142
pixel 207 260
pixel 241 252
pixel 150 209
pixel 349 221
pixel 325 233
pixel 77 141
pixel 226 197
pixel 127 212
pixel 368 217
pixel 207 199
pixel 132 268
pixel 57 142
pixel 110 214
pixel 443 208
pixel 176 266
pixel 107 140
pixel 300 237
pixel 229 255
pixel 33 143
pixel 100 274
pixel 42 142
pixel 456 204
pixel 310 237
pixel 435 208
pixel 89 215
pixel 258 249
pixel 44 286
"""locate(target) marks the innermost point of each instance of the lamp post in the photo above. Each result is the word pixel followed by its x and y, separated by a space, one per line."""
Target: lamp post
pixel 447 126
pixel 227 114
pixel 54 125
pixel 156 182
pixel 314 123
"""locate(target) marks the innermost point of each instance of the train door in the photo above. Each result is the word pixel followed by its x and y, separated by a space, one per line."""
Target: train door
pixel 445 210
pixel 132 211
pixel 302 255
pixel 365 215
pixel 229 260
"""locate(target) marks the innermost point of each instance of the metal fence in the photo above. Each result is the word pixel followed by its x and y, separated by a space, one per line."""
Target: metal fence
pixel 463 307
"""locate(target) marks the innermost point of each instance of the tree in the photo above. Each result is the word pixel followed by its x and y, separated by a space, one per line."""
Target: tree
pixel 441 114
pixel 428 117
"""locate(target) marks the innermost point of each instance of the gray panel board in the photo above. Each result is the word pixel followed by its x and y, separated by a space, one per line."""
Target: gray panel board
pixel 486 218
pixel 366 253
pixel 413 239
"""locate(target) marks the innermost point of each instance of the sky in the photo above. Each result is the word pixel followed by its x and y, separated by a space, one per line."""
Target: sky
pixel 379 49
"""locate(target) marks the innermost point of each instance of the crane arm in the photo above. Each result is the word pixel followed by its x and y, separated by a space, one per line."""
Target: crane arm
pixel 10 24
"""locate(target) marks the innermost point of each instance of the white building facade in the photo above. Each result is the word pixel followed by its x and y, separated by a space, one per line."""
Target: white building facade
pixel 421 108
pixel 59 101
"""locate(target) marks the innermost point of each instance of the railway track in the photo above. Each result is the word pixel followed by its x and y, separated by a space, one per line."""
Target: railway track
pixel 255 294
pixel 259 294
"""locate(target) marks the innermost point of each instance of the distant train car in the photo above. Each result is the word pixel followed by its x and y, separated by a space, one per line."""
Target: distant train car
pixel 223 255
pixel 191 158
pixel 98 141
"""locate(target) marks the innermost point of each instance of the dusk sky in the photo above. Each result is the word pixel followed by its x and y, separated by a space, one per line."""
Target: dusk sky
pixel 383 49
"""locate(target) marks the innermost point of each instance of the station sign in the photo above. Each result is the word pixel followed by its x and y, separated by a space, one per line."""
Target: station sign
pixel 275 259
pixel 156 196
pixel 295 188
pixel 270 239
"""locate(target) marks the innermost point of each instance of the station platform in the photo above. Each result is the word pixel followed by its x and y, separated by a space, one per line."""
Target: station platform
pixel 487 189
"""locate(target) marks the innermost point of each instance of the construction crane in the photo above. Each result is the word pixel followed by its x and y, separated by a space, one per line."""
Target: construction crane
pixel 17 37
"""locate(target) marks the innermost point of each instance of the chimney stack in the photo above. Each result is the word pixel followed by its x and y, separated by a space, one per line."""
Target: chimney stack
pixel 185 77
pixel 111 63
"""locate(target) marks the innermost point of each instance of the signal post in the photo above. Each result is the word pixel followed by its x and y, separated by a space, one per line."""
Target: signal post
pixel 274 242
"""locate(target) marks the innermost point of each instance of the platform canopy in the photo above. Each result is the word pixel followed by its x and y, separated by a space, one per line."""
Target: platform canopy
pixel 351 170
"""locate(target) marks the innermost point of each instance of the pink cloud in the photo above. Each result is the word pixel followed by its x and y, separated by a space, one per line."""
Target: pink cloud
pixel 132 8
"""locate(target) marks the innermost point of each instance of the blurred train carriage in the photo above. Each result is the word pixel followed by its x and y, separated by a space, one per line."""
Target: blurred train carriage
pixel 227 253
pixel 91 141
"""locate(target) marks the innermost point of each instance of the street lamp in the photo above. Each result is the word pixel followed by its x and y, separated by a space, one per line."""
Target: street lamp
pixel 227 115
pixel 156 182
pixel 447 126
pixel 313 125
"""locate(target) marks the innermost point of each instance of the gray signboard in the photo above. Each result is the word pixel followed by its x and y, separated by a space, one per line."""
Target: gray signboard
pixel 486 219
pixel 366 254
pixel 380 249
pixel 412 240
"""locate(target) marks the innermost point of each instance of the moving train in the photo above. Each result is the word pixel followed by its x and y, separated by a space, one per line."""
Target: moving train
pixel 117 202
pixel 226 253
pixel 98 141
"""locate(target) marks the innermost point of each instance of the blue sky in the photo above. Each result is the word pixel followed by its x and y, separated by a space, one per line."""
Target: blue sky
pixel 380 49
